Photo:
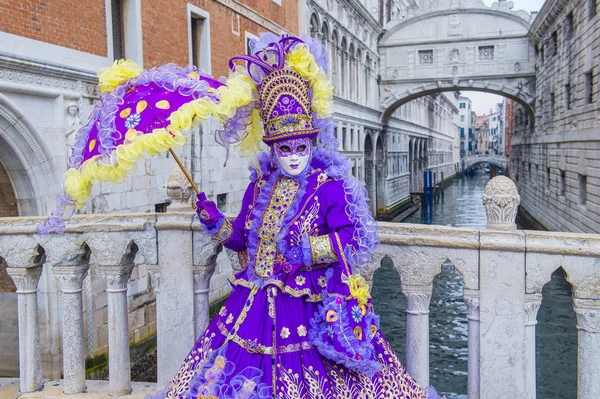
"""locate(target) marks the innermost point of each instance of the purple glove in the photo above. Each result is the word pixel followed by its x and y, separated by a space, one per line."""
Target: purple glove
pixel 290 262
pixel 207 211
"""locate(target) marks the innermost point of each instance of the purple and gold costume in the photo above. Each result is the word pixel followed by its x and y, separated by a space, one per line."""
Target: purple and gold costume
pixel 296 332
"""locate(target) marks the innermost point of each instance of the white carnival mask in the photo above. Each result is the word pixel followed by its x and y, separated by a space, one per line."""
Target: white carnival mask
pixel 293 155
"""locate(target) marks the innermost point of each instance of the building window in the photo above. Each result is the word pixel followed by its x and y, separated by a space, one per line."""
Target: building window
pixel 249 37
pixel 116 14
pixel 199 37
pixel 582 189
pixel 562 182
pixel 222 202
pixel 197 24
pixel 462 118
pixel 552 104
pixel 161 207
pixel 591 9
pixel 462 105
pixel 425 57
pixel 570 22
pixel 548 178
pixel 554 44
pixel 344 139
pixel 567 96
pixel 486 53
pixel 588 87
pixel 235 23
pixel 126 30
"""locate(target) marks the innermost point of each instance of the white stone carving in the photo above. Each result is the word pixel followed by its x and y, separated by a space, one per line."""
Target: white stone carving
pixel 202 275
pixel 454 26
pixel 501 200
pixel 72 122
pixel 119 366
pixel 70 280
pixel 417 331
pixel 26 280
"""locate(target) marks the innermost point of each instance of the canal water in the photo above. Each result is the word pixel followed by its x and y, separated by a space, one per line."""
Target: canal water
pixel 460 205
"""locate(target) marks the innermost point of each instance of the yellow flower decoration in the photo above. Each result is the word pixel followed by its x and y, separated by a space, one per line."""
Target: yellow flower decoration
pixel 359 289
pixel 120 71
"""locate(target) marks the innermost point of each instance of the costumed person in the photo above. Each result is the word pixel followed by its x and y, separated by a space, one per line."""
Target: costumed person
pixel 299 322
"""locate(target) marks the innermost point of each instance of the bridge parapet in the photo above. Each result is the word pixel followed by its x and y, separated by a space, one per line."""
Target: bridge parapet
pixel 493 159
pixel 503 269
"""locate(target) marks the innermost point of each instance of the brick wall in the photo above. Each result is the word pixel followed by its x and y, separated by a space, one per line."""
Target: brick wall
pixel 79 25
pixel 165 35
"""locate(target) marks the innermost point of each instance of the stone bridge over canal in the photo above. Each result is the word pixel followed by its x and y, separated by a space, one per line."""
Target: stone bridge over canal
pixel 457 45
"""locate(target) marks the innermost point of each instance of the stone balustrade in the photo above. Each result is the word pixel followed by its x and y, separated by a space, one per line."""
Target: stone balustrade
pixel 503 270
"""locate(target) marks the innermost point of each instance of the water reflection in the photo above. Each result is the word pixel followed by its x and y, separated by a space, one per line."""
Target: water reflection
pixel 461 205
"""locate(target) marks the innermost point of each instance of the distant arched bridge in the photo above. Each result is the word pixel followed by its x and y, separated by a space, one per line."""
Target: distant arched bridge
pixel 493 159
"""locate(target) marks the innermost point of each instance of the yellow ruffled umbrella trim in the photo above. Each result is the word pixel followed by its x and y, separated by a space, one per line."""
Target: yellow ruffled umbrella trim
pixel 239 91
pixel 79 181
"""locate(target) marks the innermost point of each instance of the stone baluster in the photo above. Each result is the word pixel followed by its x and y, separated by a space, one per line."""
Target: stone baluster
pixel 202 275
pixel 532 305
pixel 26 280
pixel 205 261
pixel 472 302
pixel 175 303
pixel 119 362
pixel 502 294
pixel 588 350
pixel 70 280
pixel 417 331
pixel 70 258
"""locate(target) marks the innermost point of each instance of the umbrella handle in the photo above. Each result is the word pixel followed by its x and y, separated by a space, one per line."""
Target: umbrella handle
pixel 185 172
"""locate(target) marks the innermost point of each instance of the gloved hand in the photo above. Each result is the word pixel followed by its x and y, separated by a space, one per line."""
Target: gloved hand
pixel 207 211
pixel 289 262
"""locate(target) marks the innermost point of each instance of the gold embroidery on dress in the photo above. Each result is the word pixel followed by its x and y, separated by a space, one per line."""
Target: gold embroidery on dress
pixel 281 199
pixel 300 280
pixel 251 346
pixel 285 332
pixel 296 293
pixel 193 362
pixel 307 223
pixel 290 387
pixel 315 384
pixel 272 293
pixel 301 330
pixel 321 249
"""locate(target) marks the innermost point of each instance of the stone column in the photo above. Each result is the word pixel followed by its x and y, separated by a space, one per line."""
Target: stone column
pixel 588 350
pixel 472 301
pixel 30 370
pixel 202 275
pixel 70 280
pixel 417 331
pixel 502 294
pixel 119 366
pixel 175 326
pixel 532 305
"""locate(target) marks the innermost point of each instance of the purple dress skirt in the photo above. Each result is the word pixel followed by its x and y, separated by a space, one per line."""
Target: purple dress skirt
pixel 293 335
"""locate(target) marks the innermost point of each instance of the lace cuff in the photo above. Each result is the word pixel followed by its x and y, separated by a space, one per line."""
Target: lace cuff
pixel 322 250
pixel 221 231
